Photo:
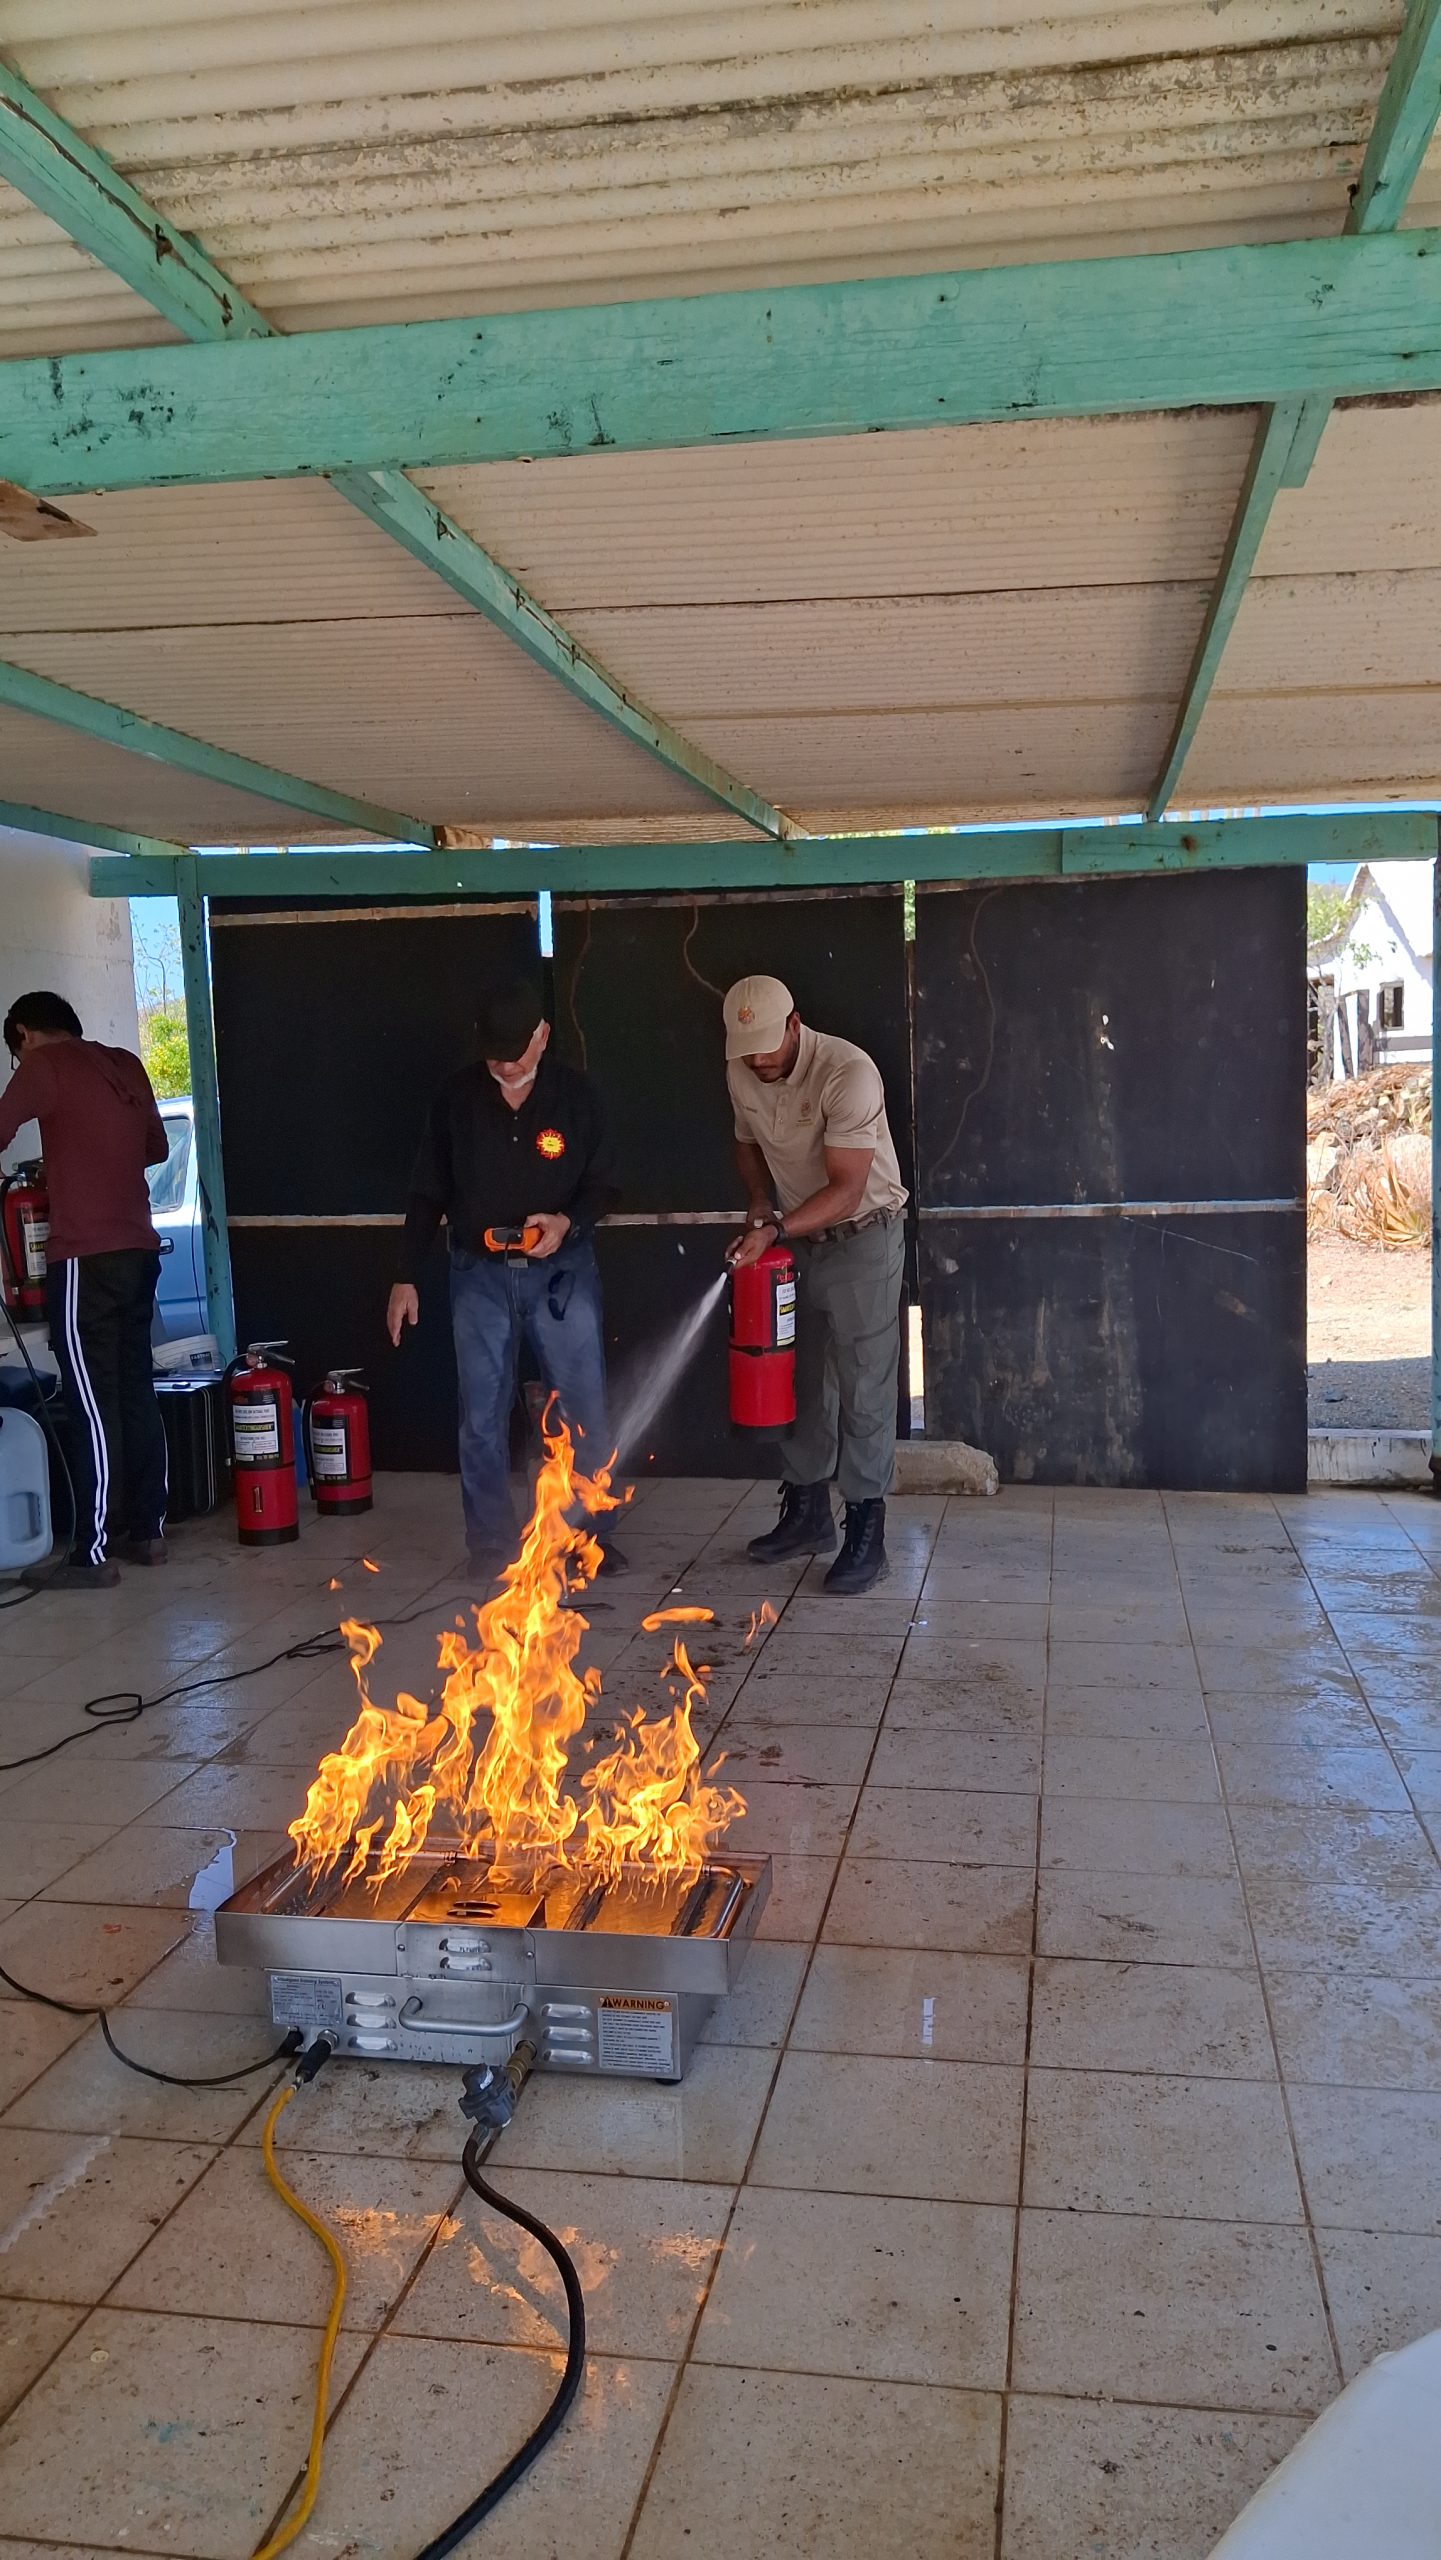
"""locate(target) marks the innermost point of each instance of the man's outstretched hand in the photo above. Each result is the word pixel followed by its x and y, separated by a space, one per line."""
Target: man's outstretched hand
pixel 404 1308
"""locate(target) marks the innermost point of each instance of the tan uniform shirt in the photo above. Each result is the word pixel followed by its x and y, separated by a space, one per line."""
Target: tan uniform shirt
pixel 834 1097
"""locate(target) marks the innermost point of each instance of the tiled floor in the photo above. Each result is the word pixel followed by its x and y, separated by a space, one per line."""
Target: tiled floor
pixel 1075 2132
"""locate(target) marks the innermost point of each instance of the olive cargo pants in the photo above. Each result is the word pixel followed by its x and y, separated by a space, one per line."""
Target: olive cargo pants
pixel 848 1349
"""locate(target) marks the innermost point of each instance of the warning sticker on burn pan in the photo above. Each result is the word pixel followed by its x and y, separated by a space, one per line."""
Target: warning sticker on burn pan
pixel 636 2034
pixel 314 2002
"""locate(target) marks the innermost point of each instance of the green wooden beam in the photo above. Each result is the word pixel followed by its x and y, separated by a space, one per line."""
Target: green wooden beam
pixel 80 189
pixel 43 699
pixel 1265 473
pixel 814 862
pixel 88 831
pixel 1291 431
pixel 205 1095
pixel 1080 338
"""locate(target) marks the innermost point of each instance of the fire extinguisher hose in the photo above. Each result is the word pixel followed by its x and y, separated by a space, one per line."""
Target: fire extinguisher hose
pixel 296 2524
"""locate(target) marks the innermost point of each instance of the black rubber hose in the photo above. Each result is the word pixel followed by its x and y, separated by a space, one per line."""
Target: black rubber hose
pixel 570 2381
pixel 290 2042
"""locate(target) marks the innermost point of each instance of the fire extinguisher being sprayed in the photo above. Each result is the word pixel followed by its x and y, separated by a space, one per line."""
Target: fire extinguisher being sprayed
pixel 337 1444
pixel 24 1231
pixel 262 1436
pixel 763 1341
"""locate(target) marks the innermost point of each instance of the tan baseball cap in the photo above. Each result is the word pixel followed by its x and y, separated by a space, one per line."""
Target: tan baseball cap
pixel 756 1013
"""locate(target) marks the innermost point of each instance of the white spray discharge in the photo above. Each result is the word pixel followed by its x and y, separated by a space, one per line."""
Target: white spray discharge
pixel 659 1372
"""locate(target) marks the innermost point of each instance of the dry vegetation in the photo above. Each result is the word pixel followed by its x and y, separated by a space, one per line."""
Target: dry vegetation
pixel 1368 1159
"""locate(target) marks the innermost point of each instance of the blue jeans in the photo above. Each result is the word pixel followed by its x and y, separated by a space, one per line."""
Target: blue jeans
pixel 495 1305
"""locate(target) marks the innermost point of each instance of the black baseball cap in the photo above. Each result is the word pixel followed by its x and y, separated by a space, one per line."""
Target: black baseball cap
pixel 509 1018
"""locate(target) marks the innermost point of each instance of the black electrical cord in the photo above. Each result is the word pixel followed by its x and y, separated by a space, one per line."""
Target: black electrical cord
pixel 490 2497
pixel 290 2043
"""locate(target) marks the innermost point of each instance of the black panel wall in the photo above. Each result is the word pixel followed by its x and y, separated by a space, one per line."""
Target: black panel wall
pixel 332 1031
pixel 1096 1043
pixel 638 987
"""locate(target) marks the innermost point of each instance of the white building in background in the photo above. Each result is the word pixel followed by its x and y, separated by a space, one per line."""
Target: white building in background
pixel 1372 984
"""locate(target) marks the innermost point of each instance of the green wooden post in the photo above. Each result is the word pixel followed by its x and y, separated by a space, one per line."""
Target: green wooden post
pixel 1435 1179
pixel 205 1095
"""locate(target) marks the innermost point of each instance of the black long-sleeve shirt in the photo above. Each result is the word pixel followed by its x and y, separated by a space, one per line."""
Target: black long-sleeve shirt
pixel 481 1164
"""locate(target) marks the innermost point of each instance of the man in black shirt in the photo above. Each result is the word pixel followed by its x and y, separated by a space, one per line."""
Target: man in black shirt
pixel 517 1141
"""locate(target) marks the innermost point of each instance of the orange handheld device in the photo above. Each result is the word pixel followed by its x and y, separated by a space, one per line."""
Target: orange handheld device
pixel 512 1240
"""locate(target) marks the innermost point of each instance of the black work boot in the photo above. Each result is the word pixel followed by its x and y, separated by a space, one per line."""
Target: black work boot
pixel 806 1527
pixel 862 1560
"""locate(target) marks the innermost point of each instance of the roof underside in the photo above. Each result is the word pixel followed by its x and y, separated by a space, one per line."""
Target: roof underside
pixel 961 623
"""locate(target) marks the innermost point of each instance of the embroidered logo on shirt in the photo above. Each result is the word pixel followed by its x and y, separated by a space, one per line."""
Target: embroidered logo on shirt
pixel 807 1111
pixel 550 1144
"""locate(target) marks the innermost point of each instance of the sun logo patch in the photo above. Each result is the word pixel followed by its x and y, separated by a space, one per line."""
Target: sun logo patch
pixel 550 1144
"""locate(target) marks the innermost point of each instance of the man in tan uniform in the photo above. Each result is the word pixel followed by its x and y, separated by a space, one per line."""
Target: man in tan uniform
pixel 819 1165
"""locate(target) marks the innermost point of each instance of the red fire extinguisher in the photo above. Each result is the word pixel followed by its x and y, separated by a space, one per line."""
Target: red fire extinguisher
pixel 337 1443
pixel 763 1341
pixel 262 1435
pixel 24 1229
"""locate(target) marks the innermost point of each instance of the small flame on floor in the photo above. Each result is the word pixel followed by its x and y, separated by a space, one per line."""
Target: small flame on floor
pixel 677 1618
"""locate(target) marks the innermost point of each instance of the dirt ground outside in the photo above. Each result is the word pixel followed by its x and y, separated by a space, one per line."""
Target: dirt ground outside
pixel 1368 1337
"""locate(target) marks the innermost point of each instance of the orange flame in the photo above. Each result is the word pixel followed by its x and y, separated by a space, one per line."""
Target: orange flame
pixel 761 1618
pixel 676 1618
pixel 491 1758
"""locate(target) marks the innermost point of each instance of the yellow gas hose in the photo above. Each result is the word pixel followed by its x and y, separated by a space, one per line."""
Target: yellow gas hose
pixel 282 2540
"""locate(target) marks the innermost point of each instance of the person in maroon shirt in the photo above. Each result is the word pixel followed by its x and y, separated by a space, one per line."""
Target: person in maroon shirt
pixel 99 1129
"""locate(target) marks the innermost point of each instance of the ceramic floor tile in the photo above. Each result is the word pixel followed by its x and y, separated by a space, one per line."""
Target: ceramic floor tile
pixel 1124 1669
pixel 150 1865
pixel 242 1798
pixel 1123 2142
pixel 643 2248
pixel 1198 2314
pixel 405 2453
pixel 84 1951
pixel 1137 1838
pixel 759 2010
pixel 75 2208
pixel 883 2000
pixel 1125 2483
pixel 836 1704
pixel 797 1899
pixel 30 2040
pixel 1004 1764
pixel 755 2465
pixel 33 1854
pixel 701 2128
pixel 1371 2158
pixel 192 1978
pixel 812 1753
pixel 1384 2289
pixel 59 1789
pixel 231 2246
pixel 849 1654
pixel 946 1824
pixel 1198 2019
pixel 1135 1770
pixel 1350 1928
pixel 1421 1771
pixel 979 1665
pixel 859 2125
pixel 872 2286
pixel 132 2439
pixel 1125 1715
pixel 30 2334
pixel 895 1902
pixel 964 1621
pixel 88 2091
pixel 1340 1844
pixel 945 1706
pixel 1261 1773
pixel 1359 2031
pixel 1278 1669
pixel 1324 1717
pixel 795 1819
pixel 1183 1920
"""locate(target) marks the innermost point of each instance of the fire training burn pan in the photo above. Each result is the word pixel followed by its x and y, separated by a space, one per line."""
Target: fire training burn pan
pixel 442 1962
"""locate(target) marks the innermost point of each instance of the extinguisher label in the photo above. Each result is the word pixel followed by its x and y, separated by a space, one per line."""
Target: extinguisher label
pixel 327 1448
pixel 257 1432
pixel 785 1313
pixel 36 1232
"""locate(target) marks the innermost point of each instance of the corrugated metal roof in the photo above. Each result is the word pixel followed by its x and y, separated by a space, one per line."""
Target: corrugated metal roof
pixel 1373 498
pixel 45 767
pixel 942 511
pixel 347 161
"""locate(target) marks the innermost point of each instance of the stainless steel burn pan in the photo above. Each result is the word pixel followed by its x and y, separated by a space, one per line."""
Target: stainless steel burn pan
pixel 445 1963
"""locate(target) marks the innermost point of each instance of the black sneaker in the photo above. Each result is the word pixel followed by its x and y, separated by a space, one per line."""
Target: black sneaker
pixel 806 1526
pixel 862 1560
pixel 143 1551
pixel 72 1577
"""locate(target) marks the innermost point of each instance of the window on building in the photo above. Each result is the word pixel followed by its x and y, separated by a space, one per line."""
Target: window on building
pixel 1392 1007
